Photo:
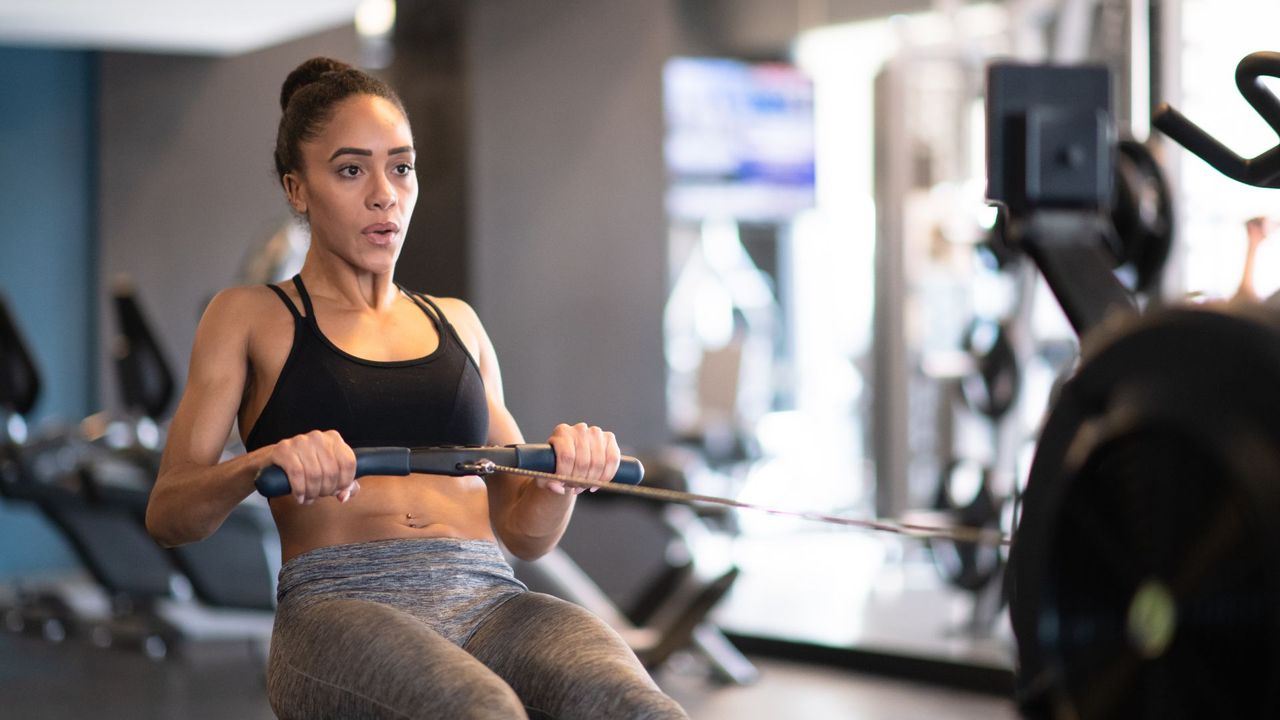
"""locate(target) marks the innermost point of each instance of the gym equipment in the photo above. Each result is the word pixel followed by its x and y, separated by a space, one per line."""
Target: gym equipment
pixel 19 379
pixel 96 495
pixel 46 613
pixel 1140 580
pixel 146 383
pixel 993 388
pixel 654 589
pixel 677 622
pixel 965 496
pixel 994 248
pixel 529 459
pixel 117 553
pixel 1142 214
pixel 1262 170
pixel 457 461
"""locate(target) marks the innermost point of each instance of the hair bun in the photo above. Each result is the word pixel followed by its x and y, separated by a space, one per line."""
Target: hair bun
pixel 307 73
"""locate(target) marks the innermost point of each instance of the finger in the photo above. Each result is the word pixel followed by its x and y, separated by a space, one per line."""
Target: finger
pixel 314 472
pixel 346 459
pixel 562 442
pixel 299 471
pixel 289 461
pixel 584 448
pixel 339 462
pixel 348 492
pixel 600 441
pixel 613 457
pixel 330 476
pixel 589 455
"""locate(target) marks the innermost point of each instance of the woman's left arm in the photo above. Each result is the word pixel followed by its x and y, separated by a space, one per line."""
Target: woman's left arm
pixel 528 514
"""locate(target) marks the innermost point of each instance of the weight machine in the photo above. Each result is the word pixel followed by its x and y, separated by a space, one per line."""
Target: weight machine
pixel 1141 581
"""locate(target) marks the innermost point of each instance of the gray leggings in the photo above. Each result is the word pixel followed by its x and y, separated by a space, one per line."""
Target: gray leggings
pixel 440 628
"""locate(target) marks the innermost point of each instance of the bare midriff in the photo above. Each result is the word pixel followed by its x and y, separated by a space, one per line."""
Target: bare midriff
pixel 414 506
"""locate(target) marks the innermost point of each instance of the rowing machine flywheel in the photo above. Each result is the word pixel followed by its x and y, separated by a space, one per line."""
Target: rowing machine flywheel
pixel 1143 579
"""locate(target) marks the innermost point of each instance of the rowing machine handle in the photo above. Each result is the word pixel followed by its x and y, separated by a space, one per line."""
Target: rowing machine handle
pixel 273 482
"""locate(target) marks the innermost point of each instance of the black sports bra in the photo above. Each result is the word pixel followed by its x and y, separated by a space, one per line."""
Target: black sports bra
pixel 438 399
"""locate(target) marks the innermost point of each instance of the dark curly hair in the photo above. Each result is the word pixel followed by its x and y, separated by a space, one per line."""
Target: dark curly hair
pixel 307 99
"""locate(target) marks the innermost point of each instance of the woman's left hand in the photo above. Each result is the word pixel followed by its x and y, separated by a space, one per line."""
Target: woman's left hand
pixel 583 452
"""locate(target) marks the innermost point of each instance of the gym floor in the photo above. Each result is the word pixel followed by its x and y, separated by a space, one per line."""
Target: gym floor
pixel 41 680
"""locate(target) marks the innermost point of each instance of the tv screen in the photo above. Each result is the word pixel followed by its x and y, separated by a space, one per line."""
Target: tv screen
pixel 739 140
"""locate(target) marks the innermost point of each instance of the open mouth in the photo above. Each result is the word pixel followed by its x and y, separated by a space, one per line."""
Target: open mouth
pixel 381 233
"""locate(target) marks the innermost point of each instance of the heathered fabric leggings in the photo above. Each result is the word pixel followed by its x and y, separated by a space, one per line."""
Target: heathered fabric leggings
pixel 440 628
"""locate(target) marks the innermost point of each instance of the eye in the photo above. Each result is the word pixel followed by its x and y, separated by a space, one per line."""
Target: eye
pixel 349 171
pixel 404 169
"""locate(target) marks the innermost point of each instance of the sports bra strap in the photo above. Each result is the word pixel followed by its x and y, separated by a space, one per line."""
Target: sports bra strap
pixel 302 293
pixel 430 308
pixel 284 297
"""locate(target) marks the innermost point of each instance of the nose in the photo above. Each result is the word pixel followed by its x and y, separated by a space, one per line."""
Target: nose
pixel 382 195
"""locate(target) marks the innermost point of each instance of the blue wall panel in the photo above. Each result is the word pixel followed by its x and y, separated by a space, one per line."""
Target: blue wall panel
pixel 47 220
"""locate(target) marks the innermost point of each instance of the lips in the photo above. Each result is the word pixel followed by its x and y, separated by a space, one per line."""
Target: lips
pixel 380 233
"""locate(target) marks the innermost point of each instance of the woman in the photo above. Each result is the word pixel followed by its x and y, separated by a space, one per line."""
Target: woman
pixel 394 600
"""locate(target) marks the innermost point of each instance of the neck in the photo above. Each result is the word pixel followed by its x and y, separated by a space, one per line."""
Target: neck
pixel 326 274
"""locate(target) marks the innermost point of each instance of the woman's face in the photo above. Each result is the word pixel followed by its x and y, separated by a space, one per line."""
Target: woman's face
pixel 357 186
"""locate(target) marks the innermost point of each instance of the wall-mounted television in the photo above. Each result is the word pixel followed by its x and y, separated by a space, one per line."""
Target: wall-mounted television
pixel 739 139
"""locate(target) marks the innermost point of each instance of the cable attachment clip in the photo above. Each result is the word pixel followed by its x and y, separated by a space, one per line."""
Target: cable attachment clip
pixel 477 467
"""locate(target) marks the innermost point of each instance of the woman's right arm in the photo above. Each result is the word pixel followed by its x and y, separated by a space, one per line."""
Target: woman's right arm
pixel 194 493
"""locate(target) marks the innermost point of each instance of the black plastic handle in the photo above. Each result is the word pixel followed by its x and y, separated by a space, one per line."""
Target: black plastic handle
pixel 1263 170
pixel 272 481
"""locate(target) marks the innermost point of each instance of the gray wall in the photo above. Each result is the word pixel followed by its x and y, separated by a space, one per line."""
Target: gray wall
pixel 186 179
pixel 429 73
pixel 568 228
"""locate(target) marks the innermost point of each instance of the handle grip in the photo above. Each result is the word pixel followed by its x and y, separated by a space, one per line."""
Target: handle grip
pixel 1262 170
pixel 273 482
pixel 542 457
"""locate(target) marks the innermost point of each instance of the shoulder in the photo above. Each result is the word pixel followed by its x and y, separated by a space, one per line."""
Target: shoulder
pixel 465 322
pixel 241 311
pixel 457 311
pixel 244 304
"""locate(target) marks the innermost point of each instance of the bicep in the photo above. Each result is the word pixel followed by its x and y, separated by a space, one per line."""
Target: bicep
pixel 215 385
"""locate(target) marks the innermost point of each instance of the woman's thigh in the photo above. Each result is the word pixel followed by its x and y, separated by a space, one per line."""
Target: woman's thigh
pixel 359 659
pixel 566 662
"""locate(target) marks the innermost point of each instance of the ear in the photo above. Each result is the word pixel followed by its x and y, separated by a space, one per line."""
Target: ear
pixel 295 191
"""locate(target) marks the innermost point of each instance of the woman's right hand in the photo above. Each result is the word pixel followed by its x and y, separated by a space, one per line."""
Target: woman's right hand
pixel 318 464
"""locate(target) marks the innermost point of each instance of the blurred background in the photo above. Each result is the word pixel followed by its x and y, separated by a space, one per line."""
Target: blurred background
pixel 749 236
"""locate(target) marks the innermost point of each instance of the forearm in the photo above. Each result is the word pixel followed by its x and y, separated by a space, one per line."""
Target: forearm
pixel 536 520
pixel 190 501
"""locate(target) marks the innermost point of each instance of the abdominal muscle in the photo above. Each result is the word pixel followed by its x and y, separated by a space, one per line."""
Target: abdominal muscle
pixel 414 506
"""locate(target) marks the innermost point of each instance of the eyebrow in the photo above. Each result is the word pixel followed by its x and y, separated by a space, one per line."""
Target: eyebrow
pixel 369 153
